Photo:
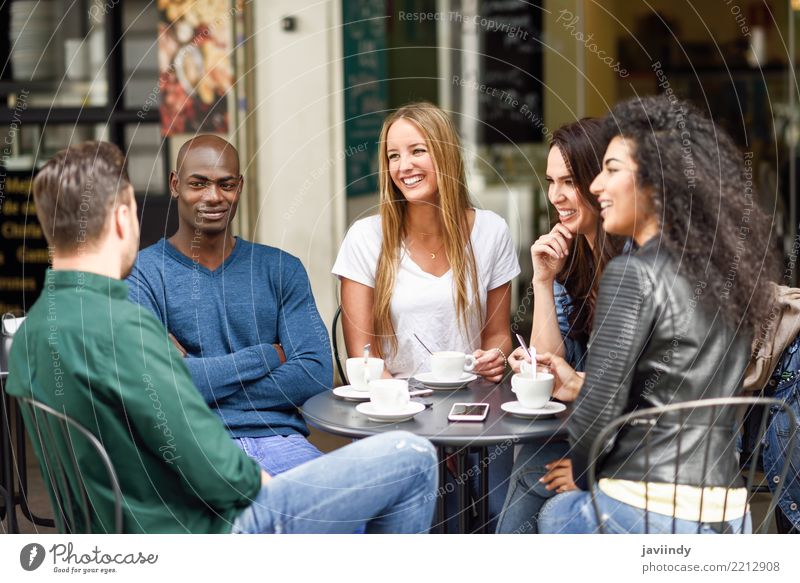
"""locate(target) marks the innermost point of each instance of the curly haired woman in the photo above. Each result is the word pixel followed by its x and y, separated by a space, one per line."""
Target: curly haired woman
pixel 677 317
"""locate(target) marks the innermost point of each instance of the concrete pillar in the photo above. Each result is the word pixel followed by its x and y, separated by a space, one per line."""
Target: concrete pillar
pixel 299 136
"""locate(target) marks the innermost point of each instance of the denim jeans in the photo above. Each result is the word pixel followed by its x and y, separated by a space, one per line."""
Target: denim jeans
pixel 777 436
pixel 386 483
pixel 573 513
pixel 278 453
pixel 526 495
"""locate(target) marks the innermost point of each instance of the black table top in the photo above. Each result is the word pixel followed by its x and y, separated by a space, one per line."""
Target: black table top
pixel 330 413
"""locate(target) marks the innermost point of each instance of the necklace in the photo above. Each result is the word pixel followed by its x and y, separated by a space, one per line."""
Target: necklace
pixel 432 253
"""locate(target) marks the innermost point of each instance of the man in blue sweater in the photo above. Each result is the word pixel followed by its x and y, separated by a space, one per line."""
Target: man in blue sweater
pixel 242 314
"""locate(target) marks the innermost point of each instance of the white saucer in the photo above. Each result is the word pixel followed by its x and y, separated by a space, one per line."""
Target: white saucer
pixel 518 410
pixel 427 379
pixel 351 394
pixel 410 410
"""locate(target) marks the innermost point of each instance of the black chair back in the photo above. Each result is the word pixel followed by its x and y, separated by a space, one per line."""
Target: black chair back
pixel 652 417
pixel 335 341
pixel 73 479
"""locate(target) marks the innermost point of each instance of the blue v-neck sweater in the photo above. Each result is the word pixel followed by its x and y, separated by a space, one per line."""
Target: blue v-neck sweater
pixel 228 319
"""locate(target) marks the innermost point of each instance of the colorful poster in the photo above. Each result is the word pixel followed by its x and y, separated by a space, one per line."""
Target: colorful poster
pixel 196 72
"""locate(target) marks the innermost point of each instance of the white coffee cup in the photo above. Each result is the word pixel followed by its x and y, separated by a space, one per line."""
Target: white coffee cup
pixel 389 395
pixel 532 393
pixel 451 365
pixel 359 374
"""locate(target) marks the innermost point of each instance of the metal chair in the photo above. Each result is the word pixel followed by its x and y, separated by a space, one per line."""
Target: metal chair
pixel 335 341
pixel 73 483
pixel 652 416
pixel 13 457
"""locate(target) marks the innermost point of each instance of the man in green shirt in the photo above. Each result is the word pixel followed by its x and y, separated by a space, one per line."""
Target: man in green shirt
pixel 87 351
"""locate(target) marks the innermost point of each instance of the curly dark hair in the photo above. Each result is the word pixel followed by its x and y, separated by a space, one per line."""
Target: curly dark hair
pixel 582 145
pixel 707 211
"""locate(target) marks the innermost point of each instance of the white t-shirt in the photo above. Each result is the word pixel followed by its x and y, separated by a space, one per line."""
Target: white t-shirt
pixel 423 304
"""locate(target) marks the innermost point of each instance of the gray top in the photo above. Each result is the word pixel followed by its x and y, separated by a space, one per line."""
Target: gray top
pixel 338 416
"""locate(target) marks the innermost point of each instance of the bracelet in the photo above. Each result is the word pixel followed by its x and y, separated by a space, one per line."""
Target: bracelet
pixel 503 354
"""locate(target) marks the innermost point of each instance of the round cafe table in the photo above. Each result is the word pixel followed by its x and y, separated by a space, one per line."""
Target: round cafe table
pixel 330 413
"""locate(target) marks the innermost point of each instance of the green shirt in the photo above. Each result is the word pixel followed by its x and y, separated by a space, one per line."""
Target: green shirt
pixel 84 349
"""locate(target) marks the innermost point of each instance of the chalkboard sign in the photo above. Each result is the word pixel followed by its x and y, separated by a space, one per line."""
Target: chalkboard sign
pixel 510 88
pixel 365 92
pixel 23 248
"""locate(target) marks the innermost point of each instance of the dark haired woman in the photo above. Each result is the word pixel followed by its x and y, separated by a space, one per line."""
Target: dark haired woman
pixel 567 263
pixel 568 260
pixel 676 316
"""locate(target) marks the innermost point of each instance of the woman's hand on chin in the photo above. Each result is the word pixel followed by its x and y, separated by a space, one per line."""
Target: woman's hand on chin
pixel 549 254
pixel 490 364
pixel 568 383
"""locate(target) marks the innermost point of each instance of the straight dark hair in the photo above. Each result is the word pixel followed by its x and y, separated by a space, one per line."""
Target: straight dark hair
pixel 582 145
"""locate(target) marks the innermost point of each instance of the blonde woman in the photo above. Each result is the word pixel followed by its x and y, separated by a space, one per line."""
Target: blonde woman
pixel 430 264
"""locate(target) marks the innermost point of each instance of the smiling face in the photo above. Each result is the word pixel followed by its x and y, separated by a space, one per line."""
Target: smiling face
pixel 625 209
pixel 573 211
pixel 207 186
pixel 411 165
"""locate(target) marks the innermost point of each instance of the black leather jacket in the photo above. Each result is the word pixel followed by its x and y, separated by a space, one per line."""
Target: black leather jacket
pixel 656 340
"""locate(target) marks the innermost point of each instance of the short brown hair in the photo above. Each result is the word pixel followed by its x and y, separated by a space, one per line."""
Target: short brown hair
pixel 76 190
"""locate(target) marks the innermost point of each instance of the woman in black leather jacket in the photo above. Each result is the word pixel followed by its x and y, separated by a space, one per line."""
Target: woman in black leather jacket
pixel 672 322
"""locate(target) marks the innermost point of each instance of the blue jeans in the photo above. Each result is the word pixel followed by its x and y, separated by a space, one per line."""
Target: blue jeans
pixel 277 453
pixel 386 483
pixel 777 436
pixel 573 513
pixel 526 495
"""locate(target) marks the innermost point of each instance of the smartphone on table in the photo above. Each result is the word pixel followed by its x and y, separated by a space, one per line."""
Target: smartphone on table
pixel 469 412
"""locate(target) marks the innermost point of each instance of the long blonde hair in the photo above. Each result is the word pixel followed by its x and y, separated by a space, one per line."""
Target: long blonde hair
pixel 454 202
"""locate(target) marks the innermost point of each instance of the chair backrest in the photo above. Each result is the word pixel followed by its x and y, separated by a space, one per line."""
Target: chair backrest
pixel 79 501
pixel 652 416
pixel 335 341
pixel 10 325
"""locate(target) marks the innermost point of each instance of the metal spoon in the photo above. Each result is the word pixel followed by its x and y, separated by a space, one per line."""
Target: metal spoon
pixel 423 344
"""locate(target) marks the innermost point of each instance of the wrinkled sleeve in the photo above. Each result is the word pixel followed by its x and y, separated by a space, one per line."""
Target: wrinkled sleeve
pixel 624 317
pixel 141 292
pixel 219 377
pixel 308 369
pixel 171 420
